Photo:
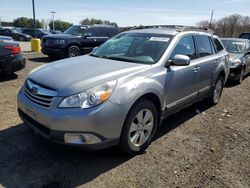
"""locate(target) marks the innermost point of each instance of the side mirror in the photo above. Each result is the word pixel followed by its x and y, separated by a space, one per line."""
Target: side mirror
pixel 86 35
pixel 94 49
pixel 181 60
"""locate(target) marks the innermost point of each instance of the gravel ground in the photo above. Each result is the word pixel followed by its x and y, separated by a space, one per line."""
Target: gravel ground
pixel 202 146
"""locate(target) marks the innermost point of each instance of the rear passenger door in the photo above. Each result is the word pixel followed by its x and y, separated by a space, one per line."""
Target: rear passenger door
pixel 181 83
pixel 207 62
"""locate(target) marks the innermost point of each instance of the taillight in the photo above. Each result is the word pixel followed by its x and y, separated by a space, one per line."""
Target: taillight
pixel 13 49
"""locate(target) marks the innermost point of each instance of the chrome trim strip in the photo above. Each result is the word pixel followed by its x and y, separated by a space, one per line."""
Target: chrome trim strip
pixel 37 97
pixel 41 90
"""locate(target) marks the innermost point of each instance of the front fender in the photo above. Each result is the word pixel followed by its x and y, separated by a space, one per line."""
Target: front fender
pixel 129 91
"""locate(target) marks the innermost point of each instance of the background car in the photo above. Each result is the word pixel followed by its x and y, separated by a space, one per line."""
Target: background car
pixel 15 34
pixel 6 39
pixel 11 59
pixel 77 40
pixel 56 32
pixel 40 33
pixel 245 36
pixel 239 57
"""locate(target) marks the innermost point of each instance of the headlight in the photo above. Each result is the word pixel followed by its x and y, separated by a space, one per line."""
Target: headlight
pixel 235 62
pixel 89 98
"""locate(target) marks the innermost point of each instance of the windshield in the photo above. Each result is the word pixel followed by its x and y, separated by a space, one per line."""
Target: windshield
pixel 75 30
pixel 237 47
pixel 134 47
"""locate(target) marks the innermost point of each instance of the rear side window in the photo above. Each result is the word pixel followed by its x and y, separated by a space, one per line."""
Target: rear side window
pixel 185 47
pixel 218 45
pixel 204 46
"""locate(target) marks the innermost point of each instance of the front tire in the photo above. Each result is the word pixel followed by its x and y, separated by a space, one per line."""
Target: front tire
pixel 239 81
pixel 139 127
pixel 73 51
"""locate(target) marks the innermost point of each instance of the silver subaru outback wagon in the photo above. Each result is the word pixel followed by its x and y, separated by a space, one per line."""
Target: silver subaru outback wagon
pixel 120 93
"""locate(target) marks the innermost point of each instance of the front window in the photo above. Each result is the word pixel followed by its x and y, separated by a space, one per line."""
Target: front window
pixel 75 30
pixel 236 47
pixel 142 48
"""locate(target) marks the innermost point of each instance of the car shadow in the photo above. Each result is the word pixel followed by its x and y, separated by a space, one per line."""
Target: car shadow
pixel 5 78
pixel 42 59
pixel 27 160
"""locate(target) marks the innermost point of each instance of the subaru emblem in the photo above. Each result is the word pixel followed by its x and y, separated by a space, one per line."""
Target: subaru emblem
pixel 34 90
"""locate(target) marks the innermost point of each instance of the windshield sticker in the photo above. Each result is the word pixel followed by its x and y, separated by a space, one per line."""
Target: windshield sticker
pixel 159 39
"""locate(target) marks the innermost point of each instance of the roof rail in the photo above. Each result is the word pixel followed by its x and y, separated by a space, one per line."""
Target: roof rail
pixel 157 26
pixel 178 28
pixel 202 29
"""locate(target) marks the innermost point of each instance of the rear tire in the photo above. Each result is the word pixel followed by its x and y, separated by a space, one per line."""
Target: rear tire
pixel 139 127
pixel 217 91
pixel 73 51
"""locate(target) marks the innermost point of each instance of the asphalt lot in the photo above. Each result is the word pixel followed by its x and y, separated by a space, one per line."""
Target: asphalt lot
pixel 202 146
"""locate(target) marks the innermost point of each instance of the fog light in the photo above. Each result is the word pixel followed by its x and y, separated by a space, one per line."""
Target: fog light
pixel 78 138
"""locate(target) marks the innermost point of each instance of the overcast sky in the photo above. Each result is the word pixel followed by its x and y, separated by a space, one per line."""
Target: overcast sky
pixel 127 12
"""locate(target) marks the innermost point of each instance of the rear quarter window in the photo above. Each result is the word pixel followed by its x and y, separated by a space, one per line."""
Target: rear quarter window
pixel 219 47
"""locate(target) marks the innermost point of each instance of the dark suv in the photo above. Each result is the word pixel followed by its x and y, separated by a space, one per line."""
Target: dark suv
pixel 77 40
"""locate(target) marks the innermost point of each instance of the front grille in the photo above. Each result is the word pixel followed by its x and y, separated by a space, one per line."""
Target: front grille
pixel 38 94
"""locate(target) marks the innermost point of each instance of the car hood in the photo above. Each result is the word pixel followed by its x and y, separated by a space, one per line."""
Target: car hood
pixel 60 36
pixel 74 75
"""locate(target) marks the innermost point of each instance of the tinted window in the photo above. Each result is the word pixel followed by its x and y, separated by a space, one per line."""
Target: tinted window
pixel 112 32
pixel 185 47
pixel 91 32
pixel 101 32
pixel 204 46
pixel 218 45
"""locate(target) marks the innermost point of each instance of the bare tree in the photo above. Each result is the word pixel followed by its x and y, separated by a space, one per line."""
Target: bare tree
pixel 230 26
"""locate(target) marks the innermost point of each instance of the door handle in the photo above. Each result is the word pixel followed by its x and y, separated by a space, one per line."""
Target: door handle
pixel 196 69
pixel 217 61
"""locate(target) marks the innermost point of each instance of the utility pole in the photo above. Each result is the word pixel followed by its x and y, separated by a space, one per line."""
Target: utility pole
pixel 53 17
pixel 211 19
pixel 34 17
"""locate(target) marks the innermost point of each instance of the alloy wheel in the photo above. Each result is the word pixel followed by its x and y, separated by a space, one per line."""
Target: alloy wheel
pixel 141 127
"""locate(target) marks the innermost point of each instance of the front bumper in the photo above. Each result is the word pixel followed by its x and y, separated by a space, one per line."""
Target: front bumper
pixel 104 121
pixel 235 72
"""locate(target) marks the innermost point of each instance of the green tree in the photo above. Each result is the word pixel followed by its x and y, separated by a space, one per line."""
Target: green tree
pixel 60 25
pixel 92 21
pixel 26 23
pixel 3 23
